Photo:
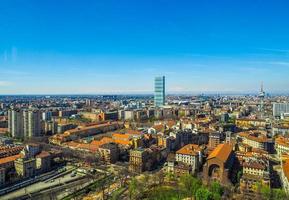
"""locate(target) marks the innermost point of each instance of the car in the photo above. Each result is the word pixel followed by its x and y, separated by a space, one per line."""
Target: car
pixel 73 174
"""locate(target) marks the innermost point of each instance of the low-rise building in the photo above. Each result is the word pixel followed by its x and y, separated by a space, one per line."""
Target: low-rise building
pixel 257 139
pixel 282 145
pixel 249 123
pixel 280 129
pixel 255 170
pixel 82 132
pixel 141 159
pixel 214 139
pixel 138 160
pixel 43 161
pixel 25 167
pixel 191 155
pixel 109 152
pixel 8 162
pixel 219 165
pixel 177 168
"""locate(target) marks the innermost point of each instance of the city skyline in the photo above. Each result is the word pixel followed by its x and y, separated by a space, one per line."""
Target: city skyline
pixel 112 48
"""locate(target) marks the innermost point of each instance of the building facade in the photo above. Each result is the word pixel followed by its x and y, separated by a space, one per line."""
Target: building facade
pixel 280 108
pixel 219 165
pixel 15 123
pixel 191 155
pixel 109 152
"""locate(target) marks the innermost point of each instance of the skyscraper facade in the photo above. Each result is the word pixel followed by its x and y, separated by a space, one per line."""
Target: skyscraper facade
pixel 159 97
pixel 15 123
pixel 24 123
pixel 32 123
pixel 280 109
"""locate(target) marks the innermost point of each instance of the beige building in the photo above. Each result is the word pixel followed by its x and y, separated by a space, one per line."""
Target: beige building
pixel 255 170
pixel 95 117
pixel 256 139
pixel 109 152
pixel 138 160
pixel 282 145
pixel 25 167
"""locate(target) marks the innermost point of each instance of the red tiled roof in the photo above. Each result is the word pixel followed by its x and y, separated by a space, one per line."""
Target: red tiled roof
pixel 190 149
pixel 9 159
pixel 286 168
pixel 43 154
pixel 221 152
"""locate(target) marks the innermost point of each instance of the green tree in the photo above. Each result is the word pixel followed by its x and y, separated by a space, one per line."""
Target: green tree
pixel 171 177
pixel 132 188
pixel 265 192
pixel 203 194
pixel 216 188
pixel 239 175
pixel 279 194
pixel 190 184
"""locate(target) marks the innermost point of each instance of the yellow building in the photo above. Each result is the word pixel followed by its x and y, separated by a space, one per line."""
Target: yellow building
pixel 248 123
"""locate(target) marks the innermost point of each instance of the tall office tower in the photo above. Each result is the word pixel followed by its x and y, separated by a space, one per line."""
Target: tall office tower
pixel 15 123
pixel 159 99
pixel 32 123
pixel 279 109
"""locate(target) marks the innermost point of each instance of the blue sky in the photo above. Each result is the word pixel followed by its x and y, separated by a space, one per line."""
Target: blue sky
pixel 111 46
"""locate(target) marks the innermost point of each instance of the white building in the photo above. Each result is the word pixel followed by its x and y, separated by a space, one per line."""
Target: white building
pixel 191 155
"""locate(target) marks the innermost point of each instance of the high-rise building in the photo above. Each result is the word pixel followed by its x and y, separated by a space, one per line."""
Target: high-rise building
pixel 46 115
pixel 159 98
pixel 280 109
pixel 24 123
pixel 15 123
pixel 32 123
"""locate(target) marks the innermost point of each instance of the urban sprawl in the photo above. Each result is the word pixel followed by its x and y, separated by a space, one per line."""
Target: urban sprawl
pixel 202 147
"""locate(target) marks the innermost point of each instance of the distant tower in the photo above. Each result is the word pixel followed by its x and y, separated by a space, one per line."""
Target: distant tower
pixel 159 98
pixel 261 97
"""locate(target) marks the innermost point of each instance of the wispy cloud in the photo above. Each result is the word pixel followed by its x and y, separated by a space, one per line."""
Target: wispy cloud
pixel 5 83
pixel 281 63
pixel 276 50
pixel 9 72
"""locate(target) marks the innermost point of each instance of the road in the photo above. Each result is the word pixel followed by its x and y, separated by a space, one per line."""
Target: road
pixel 39 186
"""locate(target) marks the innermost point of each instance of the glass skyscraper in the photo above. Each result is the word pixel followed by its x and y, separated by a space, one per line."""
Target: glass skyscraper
pixel 159 99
